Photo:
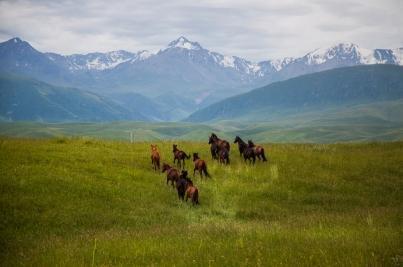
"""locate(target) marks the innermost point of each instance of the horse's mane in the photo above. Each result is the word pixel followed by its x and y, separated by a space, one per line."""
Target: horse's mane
pixel 250 143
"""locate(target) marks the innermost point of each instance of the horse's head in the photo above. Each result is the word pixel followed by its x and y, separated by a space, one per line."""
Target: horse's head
pixel 237 139
pixel 184 174
pixel 174 147
pixel 188 182
pixel 195 156
pixel 153 147
pixel 165 167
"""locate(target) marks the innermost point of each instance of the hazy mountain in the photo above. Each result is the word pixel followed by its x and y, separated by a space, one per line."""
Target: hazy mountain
pixel 316 92
pixel 29 99
pixel 184 70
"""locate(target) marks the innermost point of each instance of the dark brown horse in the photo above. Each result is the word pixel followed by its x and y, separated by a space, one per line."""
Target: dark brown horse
pixel 245 150
pixel 214 150
pixel 223 155
pixel 181 185
pixel 185 186
pixel 259 151
pixel 200 165
pixel 241 145
pixel 155 157
pixel 179 156
pixel 172 173
pixel 220 142
pixel 191 191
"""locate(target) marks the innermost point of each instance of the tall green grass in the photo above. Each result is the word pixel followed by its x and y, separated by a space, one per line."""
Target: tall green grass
pixel 88 202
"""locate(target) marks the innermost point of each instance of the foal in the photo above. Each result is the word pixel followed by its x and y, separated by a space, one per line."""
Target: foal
pixel 200 165
pixel 179 155
pixel 155 157
pixel 172 173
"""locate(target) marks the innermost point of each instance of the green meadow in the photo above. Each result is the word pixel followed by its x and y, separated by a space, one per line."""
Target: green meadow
pixel 91 202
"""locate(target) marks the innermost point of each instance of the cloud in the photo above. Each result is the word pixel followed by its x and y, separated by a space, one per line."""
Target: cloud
pixel 254 29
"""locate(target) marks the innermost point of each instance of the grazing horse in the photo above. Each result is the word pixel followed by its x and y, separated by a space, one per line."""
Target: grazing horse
pixel 179 155
pixel 259 151
pixel 200 165
pixel 172 173
pixel 220 142
pixel 241 145
pixel 223 155
pixel 155 157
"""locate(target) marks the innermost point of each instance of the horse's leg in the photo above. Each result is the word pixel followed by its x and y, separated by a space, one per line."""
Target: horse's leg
pixel 201 173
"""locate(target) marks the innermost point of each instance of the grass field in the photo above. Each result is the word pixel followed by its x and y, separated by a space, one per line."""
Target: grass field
pixel 296 130
pixel 88 202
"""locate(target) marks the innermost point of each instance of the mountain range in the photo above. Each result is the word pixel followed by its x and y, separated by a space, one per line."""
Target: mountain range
pixel 180 78
pixel 336 89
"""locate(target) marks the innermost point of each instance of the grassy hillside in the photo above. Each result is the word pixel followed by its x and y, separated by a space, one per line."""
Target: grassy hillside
pixel 23 98
pixel 312 93
pixel 82 202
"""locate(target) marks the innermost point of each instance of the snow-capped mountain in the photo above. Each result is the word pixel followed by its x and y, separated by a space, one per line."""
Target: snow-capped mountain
pixel 183 68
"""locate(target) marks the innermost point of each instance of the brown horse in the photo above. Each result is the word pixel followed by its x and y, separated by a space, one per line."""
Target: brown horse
pixel 200 165
pixel 259 151
pixel 179 156
pixel 220 142
pixel 172 173
pixel 191 191
pixel 245 150
pixel 186 188
pixel 155 157
pixel 223 155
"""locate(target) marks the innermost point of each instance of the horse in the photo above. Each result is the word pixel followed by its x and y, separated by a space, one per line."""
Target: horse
pixel 199 165
pixel 181 185
pixel 259 151
pixel 179 155
pixel 172 173
pixel 191 191
pixel 220 142
pixel 214 150
pixel 245 150
pixel 241 145
pixel 223 155
pixel 155 157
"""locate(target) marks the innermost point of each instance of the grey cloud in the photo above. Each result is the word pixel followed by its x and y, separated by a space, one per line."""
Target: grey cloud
pixel 255 29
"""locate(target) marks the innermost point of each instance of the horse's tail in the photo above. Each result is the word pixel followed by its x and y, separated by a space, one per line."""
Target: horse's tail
pixel 195 197
pixel 205 171
pixel 263 156
pixel 186 155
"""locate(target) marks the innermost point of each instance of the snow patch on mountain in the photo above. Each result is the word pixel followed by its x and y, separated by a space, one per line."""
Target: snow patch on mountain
pixel 183 43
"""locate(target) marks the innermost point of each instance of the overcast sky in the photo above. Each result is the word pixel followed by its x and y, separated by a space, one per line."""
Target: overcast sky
pixel 256 30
